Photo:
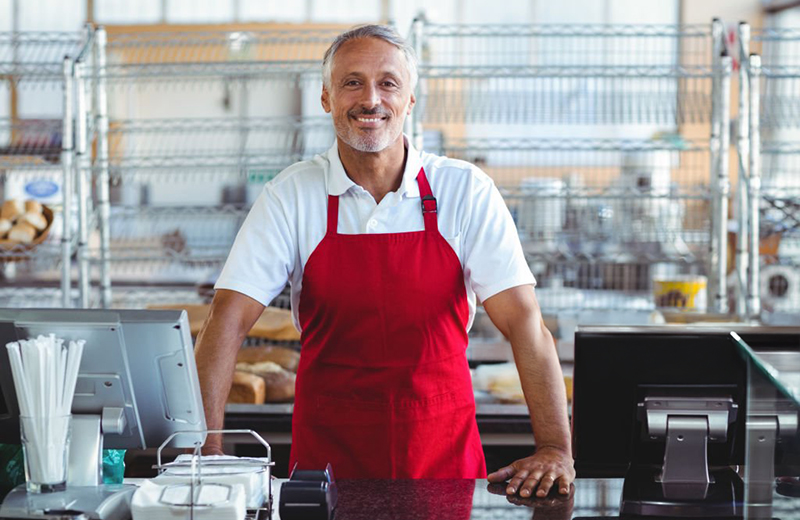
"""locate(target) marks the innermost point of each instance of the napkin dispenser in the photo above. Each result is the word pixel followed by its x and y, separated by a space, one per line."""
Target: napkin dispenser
pixel 308 495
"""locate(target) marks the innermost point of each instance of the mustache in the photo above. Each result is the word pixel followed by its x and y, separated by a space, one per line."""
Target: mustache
pixel 377 111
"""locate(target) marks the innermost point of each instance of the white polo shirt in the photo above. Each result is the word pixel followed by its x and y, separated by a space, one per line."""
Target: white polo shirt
pixel 289 220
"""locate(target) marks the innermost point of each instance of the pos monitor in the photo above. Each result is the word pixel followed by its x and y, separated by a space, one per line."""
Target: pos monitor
pixel 137 382
pixel 665 408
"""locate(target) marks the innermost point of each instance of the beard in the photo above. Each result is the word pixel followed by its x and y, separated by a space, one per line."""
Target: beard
pixel 370 142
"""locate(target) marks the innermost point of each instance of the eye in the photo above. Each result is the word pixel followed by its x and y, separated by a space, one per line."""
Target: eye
pixel 390 84
pixel 351 83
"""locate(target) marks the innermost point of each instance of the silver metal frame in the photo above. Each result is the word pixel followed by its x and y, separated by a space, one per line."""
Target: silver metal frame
pixel 754 186
pixel 40 58
pixel 67 153
pixel 742 190
pixel 196 464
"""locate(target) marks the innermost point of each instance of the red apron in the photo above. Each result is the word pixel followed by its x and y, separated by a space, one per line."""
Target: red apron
pixel 383 387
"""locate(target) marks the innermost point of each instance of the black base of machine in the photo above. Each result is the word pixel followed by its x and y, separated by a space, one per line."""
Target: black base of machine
pixel 644 495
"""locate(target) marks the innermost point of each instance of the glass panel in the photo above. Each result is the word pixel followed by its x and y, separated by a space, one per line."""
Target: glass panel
pixel 772 456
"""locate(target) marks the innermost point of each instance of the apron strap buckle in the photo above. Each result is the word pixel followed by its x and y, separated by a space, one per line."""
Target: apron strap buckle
pixel 429 204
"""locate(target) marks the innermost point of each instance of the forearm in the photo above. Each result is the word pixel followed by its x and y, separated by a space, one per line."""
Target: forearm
pixel 229 320
pixel 516 313
pixel 215 353
pixel 542 382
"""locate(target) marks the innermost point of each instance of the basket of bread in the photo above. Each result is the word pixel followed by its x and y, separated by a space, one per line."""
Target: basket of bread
pixel 23 224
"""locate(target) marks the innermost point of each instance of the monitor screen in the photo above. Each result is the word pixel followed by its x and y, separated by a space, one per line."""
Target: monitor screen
pixel 136 360
pixel 616 367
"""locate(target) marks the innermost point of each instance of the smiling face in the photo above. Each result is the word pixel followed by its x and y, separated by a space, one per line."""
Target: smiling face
pixel 370 94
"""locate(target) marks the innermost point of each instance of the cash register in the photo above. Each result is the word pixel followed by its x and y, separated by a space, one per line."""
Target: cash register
pixel 137 385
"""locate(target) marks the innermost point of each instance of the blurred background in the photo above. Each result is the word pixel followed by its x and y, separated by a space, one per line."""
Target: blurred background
pixel 601 121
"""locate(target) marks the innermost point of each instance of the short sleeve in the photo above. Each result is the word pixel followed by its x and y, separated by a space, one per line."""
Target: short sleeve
pixel 263 255
pixel 493 256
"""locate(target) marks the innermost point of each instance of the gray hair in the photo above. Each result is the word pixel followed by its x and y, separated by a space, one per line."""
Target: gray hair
pixel 382 32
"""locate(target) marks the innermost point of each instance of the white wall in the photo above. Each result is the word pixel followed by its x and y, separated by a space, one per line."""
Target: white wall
pixel 127 12
pixel 49 15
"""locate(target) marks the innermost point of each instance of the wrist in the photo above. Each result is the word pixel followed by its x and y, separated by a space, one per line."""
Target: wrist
pixel 554 447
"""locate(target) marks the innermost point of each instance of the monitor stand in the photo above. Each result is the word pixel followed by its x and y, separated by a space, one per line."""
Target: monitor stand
pixel 684 486
pixel 85 494
pixel 644 495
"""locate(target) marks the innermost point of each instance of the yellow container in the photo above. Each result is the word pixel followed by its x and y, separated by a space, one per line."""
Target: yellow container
pixel 686 292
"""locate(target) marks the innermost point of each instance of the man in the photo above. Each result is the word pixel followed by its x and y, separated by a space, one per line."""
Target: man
pixel 385 249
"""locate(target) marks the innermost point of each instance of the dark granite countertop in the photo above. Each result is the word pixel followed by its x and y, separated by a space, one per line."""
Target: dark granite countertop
pixel 466 499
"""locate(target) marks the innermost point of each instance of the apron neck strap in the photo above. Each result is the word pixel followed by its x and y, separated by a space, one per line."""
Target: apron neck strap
pixel 429 205
pixel 333 214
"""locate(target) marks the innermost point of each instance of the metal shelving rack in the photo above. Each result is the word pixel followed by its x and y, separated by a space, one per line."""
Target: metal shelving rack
pixel 37 149
pixel 605 141
pixel 769 154
pixel 148 237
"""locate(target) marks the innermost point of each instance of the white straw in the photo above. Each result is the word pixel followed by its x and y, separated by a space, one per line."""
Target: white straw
pixel 20 381
pixel 45 373
pixel 71 375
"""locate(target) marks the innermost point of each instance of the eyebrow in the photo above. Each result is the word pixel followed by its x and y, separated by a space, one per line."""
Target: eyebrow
pixel 361 75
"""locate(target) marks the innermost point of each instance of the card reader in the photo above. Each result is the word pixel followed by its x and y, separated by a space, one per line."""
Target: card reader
pixel 308 495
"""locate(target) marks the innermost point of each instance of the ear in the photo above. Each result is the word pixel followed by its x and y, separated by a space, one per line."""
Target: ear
pixel 411 103
pixel 326 102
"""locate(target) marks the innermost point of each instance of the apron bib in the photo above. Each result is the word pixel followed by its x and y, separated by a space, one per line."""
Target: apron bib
pixel 383 387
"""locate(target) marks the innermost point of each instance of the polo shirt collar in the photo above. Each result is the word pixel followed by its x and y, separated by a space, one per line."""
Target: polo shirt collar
pixel 339 182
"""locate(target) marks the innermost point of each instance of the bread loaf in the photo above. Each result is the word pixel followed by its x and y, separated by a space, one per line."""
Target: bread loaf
pixel 279 381
pixel 36 220
pixel 5 227
pixel 23 233
pixel 285 357
pixel 12 209
pixel 32 206
pixel 247 389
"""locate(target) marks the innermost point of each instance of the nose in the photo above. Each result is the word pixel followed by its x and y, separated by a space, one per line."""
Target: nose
pixel 371 97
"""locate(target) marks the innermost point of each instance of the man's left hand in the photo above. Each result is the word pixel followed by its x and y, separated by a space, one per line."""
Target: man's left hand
pixel 548 467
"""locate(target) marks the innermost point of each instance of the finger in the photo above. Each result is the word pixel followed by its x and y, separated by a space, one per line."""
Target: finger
pixel 528 486
pixel 563 484
pixel 501 475
pixel 545 483
pixel 516 481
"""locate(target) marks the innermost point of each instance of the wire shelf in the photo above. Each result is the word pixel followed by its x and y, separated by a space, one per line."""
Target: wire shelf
pixel 199 226
pixel 780 190
pixel 279 53
pixel 561 45
pixel 31 297
pixel 565 74
pixel 37 57
pixel 142 297
pixel 178 244
pixel 776 46
pixel 602 216
pixel 213 145
pixel 593 164
pixel 780 76
pixel 29 141
pixel 631 98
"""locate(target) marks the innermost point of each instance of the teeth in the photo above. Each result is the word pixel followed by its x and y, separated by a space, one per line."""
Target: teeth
pixel 369 120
